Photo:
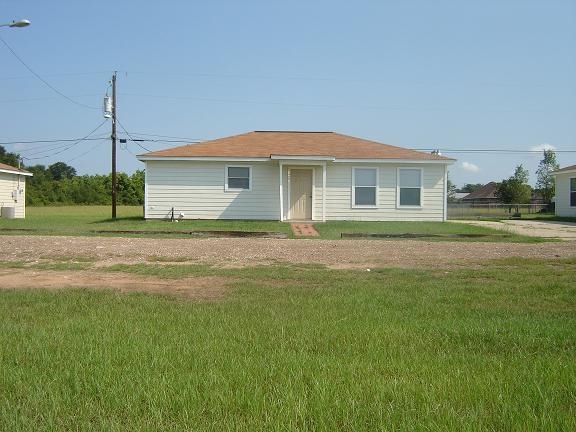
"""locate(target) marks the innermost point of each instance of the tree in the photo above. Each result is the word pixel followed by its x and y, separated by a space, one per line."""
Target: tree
pixel 544 178
pixel 451 189
pixel 521 174
pixel 8 158
pixel 515 190
pixel 60 170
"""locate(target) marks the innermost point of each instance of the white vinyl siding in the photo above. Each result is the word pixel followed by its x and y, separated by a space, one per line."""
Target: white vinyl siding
pixel 198 190
pixel 339 195
pixel 565 194
pixel 409 187
pixel 364 187
pixel 10 185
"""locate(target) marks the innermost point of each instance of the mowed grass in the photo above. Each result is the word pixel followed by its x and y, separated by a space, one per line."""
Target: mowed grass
pixel 96 220
pixel 299 348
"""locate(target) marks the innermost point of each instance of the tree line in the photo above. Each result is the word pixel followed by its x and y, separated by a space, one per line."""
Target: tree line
pixel 515 189
pixel 59 184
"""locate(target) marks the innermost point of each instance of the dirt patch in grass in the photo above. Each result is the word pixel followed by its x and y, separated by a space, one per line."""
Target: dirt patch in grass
pixel 204 287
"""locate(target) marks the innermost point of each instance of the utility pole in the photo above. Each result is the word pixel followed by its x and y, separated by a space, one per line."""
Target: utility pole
pixel 113 137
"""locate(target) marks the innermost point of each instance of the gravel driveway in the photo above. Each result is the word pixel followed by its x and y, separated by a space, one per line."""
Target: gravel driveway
pixel 533 228
pixel 237 252
pixel 233 252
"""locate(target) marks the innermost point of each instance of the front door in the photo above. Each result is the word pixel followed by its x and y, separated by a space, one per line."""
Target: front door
pixel 301 194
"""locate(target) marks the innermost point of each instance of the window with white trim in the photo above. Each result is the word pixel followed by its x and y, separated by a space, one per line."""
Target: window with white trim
pixel 364 187
pixel 573 192
pixel 409 187
pixel 238 178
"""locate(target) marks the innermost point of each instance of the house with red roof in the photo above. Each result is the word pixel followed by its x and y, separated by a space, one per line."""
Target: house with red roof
pixel 12 191
pixel 295 176
pixel 565 191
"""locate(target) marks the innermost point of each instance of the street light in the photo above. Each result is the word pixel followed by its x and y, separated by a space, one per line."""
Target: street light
pixel 19 23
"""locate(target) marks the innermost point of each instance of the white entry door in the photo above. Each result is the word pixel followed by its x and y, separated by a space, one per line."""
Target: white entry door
pixel 301 194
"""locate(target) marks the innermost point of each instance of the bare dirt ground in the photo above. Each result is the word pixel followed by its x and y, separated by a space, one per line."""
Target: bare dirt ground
pixel 102 252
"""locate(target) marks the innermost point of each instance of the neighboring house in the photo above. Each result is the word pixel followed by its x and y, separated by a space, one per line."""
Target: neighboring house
pixel 458 196
pixel 313 176
pixel 565 191
pixel 483 196
pixel 12 191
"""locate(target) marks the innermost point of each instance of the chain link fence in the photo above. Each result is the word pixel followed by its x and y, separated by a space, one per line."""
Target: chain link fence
pixel 479 211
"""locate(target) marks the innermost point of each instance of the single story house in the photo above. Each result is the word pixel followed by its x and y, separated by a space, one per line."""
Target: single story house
pixel 565 191
pixel 483 196
pixel 12 191
pixel 286 176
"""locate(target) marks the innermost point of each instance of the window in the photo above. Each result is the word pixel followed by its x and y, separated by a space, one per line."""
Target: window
pixel 573 192
pixel 409 187
pixel 238 178
pixel 364 187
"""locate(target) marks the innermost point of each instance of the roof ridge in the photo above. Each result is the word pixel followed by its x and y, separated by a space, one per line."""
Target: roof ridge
pixel 288 131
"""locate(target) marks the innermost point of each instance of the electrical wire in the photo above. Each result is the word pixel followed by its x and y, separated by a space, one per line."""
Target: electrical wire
pixel 43 80
pixel 85 153
pixel 500 151
pixel 183 139
pixel 70 146
pixel 132 139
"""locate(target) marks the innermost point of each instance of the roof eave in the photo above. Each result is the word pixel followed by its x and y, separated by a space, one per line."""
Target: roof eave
pixel 15 172
pixel 303 157
pixel 564 171
pixel 397 161
pixel 144 158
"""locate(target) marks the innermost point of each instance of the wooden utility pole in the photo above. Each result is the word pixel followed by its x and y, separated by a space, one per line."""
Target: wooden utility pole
pixel 113 137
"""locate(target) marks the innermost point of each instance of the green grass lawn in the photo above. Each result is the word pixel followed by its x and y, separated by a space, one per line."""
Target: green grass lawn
pixel 96 220
pixel 299 348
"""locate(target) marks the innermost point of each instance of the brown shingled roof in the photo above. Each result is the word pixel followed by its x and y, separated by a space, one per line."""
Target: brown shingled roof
pixel 488 191
pixel 262 144
pixel 568 168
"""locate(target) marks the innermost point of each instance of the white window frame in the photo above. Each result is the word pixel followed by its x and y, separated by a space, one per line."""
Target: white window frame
pixel 399 187
pixel 571 192
pixel 376 188
pixel 229 189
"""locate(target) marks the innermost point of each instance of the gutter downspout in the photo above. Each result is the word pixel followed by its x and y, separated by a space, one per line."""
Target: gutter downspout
pixel 324 192
pixel 281 182
pixel 445 204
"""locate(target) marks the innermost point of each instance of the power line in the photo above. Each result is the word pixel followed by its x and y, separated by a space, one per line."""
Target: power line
pixel 497 151
pixel 168 136
pixel 85 153
pixel 45 141
pixel 42 79
pixel 70 146
pixel 132 139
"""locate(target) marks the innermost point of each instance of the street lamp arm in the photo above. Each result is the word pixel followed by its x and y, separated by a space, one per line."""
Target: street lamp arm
pixel 19 23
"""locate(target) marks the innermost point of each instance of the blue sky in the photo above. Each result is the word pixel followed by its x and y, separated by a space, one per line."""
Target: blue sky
pixel 485 82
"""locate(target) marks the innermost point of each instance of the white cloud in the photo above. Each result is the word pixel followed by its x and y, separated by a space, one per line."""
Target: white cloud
pixel 467 166
pixel 542 147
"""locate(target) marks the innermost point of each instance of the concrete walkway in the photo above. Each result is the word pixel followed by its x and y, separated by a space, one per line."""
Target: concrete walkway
pixel 533 228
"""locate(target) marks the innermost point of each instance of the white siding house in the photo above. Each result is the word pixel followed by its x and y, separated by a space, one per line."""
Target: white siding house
pixel 12 191
pixel 313 176
pixel 565 191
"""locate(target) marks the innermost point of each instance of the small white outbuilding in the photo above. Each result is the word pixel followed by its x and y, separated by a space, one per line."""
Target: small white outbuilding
pixel 13 192
pixel 566 191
